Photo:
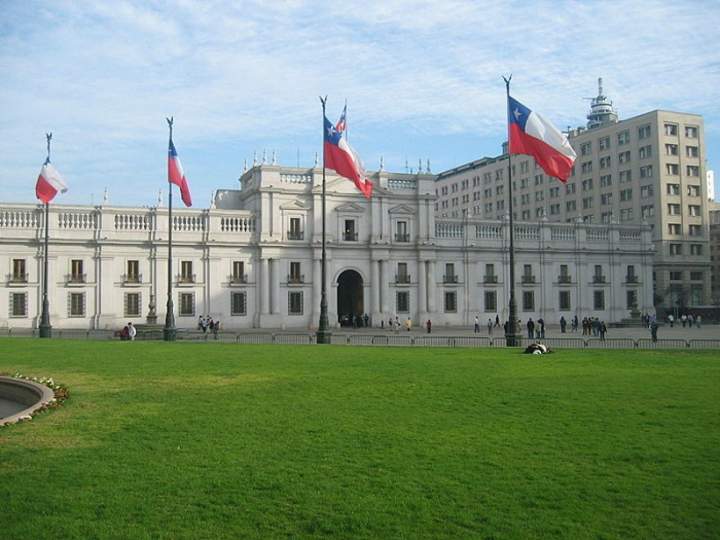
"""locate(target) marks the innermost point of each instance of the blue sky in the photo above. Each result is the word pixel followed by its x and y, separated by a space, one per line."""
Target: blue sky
pixel 422 80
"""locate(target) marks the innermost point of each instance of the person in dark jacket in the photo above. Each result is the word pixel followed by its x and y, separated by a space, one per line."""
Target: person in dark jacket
pixel 531 328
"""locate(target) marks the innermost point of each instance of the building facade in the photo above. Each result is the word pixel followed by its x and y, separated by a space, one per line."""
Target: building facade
pixel 646 169
pixel 254 260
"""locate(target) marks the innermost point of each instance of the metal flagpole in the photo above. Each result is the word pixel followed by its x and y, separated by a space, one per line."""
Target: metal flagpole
pixel 511 337
pixel 169 331
pixel 323 332
pixel 45 326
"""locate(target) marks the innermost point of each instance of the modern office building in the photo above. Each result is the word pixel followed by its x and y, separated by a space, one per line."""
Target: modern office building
pixel 645 169
pixel 253 259
pixel 714 218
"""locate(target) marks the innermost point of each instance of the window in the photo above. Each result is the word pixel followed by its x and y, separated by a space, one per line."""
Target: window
pixel 295 233
pixel 647 211
pixel 402 273
pixel 693 191
pixel 626 194
pixel 647 191
pixel 586 149
pixel 349 232
pixel 694 210
pixel 554 192
pixel 631 299
pixel 586 167
pixel 570 206
pixel 526 215
pixel 587 185
pixel 624 157
pixel 598 300
pixel 696 276
pixel 691 132
pixel 671 149
pixel 402 299
pixel 693 170
pixel 524 167
pixel 605 162
pixel 523 182
pixel 675 276
pixel 295 303
pixel 18 304
pixel 19 274
pixel 525 198
pixel 528 299
pixel 695 230
pixel 401 232
pixel 564 300
pixel 598 275
pixel 133 271
pixel 606 199
pixel 77 304
pixel 295 275
pixel 606 180
pixel 569 189
pixel 672 169
pixel 673 209
pixel 606 217
pixel 454 188
pixel 675 249
pixel 673 189
pixel 450 276
pixel 76 271
pixel 187 305
pixel 696 249
pixel 490 276
pixel 625 176
pixel 587 202
pixel 623 137
pixel 564 276
pixel 539 196
pixel 671 130
pixel 490 301
pixel 626 214
pixel 643 132
pixel 499 190
pixel 238 304
pixel 238 272
pixel 674 228
pixel 132 304
pixel 539 179
pixel 604 143
pixel 645 152
pixel 691 151
pixel 588 219
pixel 450 301
pixel 186 272
pixel 630 276
pixel 527 275
pixel 554 209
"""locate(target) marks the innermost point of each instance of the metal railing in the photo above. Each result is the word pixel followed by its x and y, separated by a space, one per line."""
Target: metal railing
pixel 402 278
pixel 296 278
pixel 564 279
pixel 402 237
pixel 76 278
pixel 490 279
pixel 295 235
pixel 185 278
pixel 17 278
pixel 350 237
pixel 598 279
pixel 131 278
pixel 450 278
pixel 528 279
pixel 238 278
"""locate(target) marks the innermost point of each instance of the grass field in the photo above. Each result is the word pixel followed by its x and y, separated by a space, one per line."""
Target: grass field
pixel 209 441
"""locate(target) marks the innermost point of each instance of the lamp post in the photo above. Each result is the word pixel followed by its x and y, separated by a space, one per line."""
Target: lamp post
pixel 323 331
pixel 45 327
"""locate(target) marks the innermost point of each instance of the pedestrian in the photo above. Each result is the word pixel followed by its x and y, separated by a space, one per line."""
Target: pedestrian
pixel 216 329
pixel 428 325
pixel 530 328
pixel 490 327
pixel 125 333
pixel 654 330
pixel 698 320
pixel 366 320
pixel 563 324
pixel 690 320
pixel 541 322
pixel 683 319
pixel 671 320
pixel 477 325
pixel 603 331
pixel 497 321
pixel 408 324
pixel 575 323
pixel 132 331
pixel 390 324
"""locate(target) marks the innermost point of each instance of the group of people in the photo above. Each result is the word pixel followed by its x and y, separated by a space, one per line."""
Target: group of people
pixel 686 319
pixel 128 332
pixel 395 324
pixel 356 321
pixel 592 326
pixel 574 324
pixel 207 323
pixel 490 325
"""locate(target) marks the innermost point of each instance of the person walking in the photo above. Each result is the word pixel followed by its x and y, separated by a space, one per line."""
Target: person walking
pixel 603 331
pixel 497 321
pixel 563 324
pixel 477 325
pixel 490 327
pixel 428 325
pixel 215 329
pixel 531 328
pixel 541 322
pixel 698 320
pixel 132 331
pixel 575 323
pixel 408 324
pixel 654 331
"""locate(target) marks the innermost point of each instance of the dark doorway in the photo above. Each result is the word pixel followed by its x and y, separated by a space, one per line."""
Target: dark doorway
pixel 349 298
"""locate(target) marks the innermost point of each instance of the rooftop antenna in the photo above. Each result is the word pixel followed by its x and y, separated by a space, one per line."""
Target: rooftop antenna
pixel 419 165
pixel 427 170
pixel 407 167
pixel 274 158
pixel 264 158
pixel 382 163
pixel 106 197
pixel 244 165
pixel 158 203
pixel 316 160
pixel 254 158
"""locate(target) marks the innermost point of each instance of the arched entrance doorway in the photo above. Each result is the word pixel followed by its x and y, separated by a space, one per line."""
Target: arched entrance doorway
pixel 349 297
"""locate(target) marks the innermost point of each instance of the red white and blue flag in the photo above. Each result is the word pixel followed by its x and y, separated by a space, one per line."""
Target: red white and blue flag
pixel 342 122
pixel 177 176
pixel 49 182
pixel 531 134
pixel 338 156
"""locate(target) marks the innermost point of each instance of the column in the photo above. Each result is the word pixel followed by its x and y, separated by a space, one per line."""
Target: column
pixel 264 287
pixel 375 285
pixel 317 291
pixel 275 303
pixel 384 290
pixel 431 287
pixel 422 289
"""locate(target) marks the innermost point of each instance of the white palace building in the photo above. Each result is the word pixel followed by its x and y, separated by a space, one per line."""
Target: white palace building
pixel 253 260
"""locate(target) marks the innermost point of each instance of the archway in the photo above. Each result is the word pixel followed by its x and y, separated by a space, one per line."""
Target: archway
pixel 350 305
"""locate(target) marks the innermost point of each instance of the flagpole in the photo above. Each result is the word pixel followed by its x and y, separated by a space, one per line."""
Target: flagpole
pixel 511 337
pixel 169 331
pixel 323 331
pixel 45 327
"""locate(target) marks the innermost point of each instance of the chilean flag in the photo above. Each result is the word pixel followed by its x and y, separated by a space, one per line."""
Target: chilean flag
pixel 531 134
pixel 338 156
pixel 49 182
pixel 177 176
pixel 342 122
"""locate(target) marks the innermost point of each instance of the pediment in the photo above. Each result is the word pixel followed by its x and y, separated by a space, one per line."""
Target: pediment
pixel 350 208
pixel 294 205
pixel 402 209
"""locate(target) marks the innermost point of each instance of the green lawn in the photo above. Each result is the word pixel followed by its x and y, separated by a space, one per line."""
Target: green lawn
pixel 210 441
